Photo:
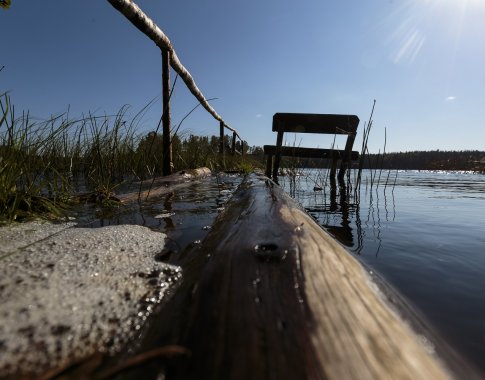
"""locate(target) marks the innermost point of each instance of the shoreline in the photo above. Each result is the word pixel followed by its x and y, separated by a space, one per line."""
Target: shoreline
pixel 71 292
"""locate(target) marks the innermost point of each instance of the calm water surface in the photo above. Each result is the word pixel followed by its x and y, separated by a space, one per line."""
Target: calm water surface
pixel 185 214
pixel 425 235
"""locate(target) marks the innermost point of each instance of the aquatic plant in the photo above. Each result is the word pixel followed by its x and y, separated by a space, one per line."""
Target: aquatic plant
pixel 364 151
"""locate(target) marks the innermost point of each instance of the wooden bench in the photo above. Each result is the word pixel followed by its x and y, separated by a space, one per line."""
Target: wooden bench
pixel 312 123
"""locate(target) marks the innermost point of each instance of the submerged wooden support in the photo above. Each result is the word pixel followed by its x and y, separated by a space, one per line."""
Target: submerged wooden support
pixel 278 298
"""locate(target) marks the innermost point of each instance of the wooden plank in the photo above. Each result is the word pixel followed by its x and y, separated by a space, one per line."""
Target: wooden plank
pixel 315 123
pixel 278 298
pixel 291 151
pixel 155 187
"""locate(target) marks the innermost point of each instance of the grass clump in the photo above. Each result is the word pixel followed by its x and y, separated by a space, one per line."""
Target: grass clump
pixel 29 180
pixel 45 166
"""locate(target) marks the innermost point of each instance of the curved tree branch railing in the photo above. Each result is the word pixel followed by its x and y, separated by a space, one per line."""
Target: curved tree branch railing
pixel 147 26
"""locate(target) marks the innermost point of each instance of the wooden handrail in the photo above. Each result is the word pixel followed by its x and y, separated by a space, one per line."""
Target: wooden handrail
pixel 147 26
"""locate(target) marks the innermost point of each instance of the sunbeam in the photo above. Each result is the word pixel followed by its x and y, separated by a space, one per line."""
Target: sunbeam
pixel 419 23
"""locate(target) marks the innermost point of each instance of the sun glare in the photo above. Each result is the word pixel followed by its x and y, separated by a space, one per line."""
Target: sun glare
pixel 454 4
pixel 416 23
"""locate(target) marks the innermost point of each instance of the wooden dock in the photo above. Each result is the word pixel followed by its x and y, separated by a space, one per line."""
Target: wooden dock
pixel 270 295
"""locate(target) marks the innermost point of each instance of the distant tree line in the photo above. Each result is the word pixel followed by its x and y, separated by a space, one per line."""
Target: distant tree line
pixel 416 160
pixel 188 152
pixel 429 160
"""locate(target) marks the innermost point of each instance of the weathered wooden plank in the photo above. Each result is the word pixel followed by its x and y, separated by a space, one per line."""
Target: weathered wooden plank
pixel 163 185
pixel 278 298
pixel 315 123
pixel 291 151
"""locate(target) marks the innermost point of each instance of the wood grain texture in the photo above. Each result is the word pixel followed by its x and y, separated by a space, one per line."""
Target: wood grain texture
pixel 278 298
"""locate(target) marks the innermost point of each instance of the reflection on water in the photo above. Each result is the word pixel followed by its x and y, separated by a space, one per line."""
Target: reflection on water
pixel 423 231
pixel 183 213
pixel 167 205
pixel 334 210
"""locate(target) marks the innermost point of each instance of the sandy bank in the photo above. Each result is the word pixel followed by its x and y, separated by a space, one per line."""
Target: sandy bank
pixel 67 292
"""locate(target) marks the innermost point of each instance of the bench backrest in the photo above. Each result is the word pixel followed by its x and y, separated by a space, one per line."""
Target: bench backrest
pixel 315 123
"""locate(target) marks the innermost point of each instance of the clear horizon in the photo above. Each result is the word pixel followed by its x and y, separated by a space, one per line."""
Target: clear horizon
pixel 420 59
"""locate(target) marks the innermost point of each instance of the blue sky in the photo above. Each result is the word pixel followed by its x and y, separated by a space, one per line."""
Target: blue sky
pixel 422 60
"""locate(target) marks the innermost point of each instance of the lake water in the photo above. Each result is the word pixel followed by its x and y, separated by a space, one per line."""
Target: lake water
pixel 424 233
pixel 185 213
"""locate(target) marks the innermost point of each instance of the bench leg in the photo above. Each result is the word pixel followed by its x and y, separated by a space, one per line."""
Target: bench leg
pixel 277 158
pixel 341 173
pixel 269 165
pixel 346 160
pixel 333 168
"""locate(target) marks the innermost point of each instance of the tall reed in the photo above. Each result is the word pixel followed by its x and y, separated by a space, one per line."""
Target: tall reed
pixel 30 179
pixel 42 162
pixel 364 150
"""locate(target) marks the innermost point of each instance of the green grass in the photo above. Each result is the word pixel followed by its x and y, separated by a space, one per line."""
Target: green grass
pixel 41 162
pixel 30 181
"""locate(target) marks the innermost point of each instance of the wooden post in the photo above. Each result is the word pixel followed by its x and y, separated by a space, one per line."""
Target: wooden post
pixel 148 27
pixel 221 145
pixel 233 143
pixel 167 147
pixel 221 138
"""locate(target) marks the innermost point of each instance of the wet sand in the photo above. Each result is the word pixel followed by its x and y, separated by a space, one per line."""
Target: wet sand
pixel 69 292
